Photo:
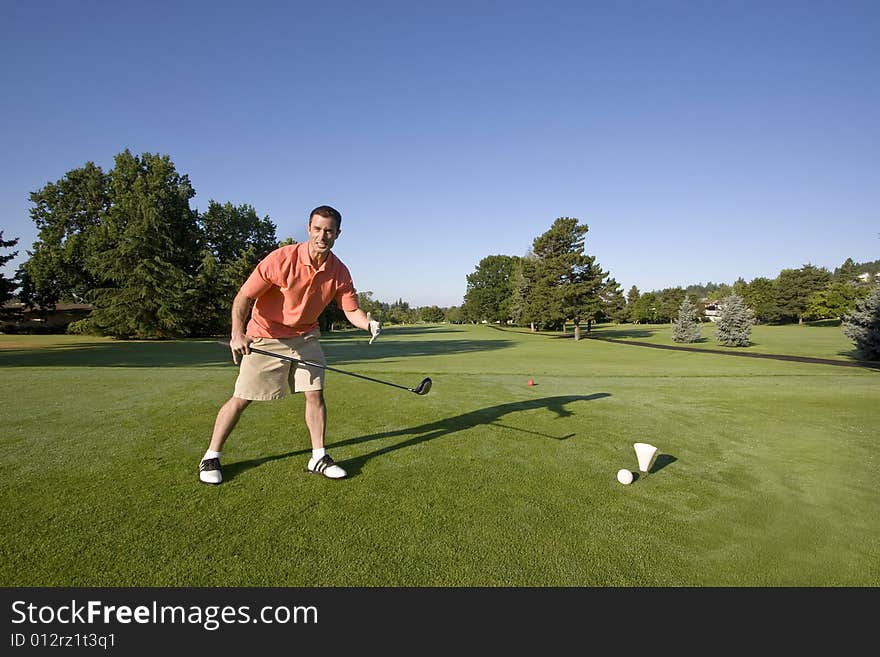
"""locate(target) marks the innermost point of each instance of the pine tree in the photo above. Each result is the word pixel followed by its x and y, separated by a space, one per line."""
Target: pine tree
pixel 687 327
pixel 566 284
pixel 631 297
pixel 734 326
pixel 848 272
pixel 613 302
pixel 863 326
pixel 794 286
pixel 209 307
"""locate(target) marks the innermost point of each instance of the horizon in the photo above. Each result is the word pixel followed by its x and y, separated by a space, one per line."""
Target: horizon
pixel 736 141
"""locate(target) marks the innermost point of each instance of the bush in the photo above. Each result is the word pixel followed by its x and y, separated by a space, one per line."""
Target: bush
pixel 83 327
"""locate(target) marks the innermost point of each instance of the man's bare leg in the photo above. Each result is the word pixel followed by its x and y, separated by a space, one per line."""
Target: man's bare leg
pixel 227 418
pixel 316 421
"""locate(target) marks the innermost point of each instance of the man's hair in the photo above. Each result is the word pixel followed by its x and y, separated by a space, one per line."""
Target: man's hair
pixel 328 213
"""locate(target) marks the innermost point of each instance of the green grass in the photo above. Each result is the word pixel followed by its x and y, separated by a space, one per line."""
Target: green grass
pixel 817 340
pixel 766 474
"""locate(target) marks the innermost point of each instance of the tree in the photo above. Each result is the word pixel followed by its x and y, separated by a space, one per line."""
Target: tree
pixel 834 301
pixel 734 326
pixel 128 241
pixel 644 309
pixel 862 326
pixel 760 296
pixel 526 304
pixel 631 297
pixel 149 253
pixel 848 272
pixel 68 214
pixel 208 299
pixel 566 282
pixel 400 313
pixel 368 304
pixel 794 286
pixel 613 302
pixel 330 317
pixel 669 303
pixel 232 240
pixel 687 327
pixel 7 285
pixel 432 314
pixel 227 231
pixel 490 289
pixel 454 315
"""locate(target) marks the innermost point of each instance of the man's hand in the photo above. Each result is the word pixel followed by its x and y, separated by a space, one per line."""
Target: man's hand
pixel 240 344
pixel 375 328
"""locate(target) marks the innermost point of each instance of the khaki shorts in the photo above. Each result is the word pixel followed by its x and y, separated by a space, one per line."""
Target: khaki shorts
pixel 266 377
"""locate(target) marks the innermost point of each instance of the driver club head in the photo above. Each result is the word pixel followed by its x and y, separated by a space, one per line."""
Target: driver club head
pixel 423 388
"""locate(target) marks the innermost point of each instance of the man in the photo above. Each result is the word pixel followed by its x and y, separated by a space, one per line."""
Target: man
pixel 288 290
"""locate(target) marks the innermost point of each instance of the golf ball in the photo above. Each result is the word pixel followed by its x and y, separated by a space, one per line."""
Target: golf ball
pixel 624 477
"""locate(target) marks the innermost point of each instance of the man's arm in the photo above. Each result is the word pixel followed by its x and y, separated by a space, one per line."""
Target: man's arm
pixel 240 341
pixel 363 321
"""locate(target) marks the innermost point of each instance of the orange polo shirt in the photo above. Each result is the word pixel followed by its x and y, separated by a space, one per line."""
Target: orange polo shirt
pixel 290 293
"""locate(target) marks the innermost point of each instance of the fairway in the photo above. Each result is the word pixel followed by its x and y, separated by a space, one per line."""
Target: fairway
pixel 766 474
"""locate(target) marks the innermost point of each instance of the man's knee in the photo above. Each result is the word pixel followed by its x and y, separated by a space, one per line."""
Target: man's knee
pixel 314 396
pixel 237 404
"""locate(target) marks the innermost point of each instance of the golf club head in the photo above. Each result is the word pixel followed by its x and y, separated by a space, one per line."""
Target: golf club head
pixel 423 388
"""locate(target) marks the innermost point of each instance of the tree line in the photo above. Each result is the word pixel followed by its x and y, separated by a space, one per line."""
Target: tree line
pixel 556 283
pixel 809 293
pixel 127 242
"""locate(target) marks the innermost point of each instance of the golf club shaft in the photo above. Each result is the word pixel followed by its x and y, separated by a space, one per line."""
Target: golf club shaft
pixel 325 367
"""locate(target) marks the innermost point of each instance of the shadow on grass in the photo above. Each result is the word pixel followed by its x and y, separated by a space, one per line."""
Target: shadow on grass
pixel 660 462
pixel 346 352
pixel 429 431
pixel 208 353
pixel 391 331
pixel 232 470
pixel 598 333
pixel 177 353
pixel 554 335
pixel 622 333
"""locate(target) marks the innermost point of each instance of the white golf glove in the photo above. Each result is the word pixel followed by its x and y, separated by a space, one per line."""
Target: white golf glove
pixel 375 328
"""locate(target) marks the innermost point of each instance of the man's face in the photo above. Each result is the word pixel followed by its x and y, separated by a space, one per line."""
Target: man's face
pixel 322 234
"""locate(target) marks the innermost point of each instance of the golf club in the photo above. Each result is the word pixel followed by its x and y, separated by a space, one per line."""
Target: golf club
pixel 422 389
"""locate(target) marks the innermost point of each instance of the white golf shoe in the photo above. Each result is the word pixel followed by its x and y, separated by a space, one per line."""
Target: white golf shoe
pixel 325 466
pixel 209 471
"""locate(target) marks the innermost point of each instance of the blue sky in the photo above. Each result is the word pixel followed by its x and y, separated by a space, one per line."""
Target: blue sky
pixel 699 141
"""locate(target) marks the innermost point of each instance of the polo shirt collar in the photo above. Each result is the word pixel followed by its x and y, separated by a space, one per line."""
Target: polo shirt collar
pixel 306 259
